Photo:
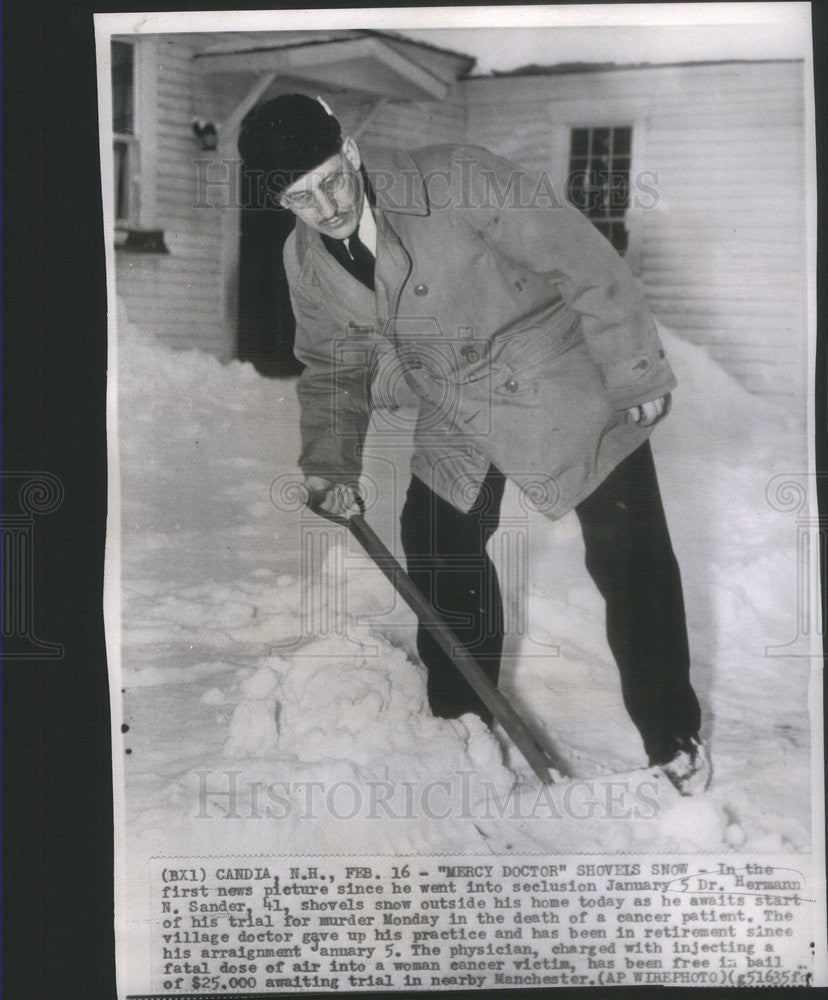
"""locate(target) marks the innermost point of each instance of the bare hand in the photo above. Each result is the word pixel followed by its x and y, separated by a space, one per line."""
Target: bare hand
pixel 336 499
pixel 651 412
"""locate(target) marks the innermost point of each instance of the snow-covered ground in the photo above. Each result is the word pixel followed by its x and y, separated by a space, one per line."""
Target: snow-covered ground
pixel 249 659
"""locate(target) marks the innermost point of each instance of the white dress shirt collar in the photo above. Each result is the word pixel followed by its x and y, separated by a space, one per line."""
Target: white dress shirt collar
pixel 367 228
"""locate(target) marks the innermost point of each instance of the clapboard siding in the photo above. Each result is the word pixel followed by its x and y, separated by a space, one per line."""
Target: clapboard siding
pixel 406 126
pixel 719 245
pixel 400 124
pixel 177 296
pixel 717 227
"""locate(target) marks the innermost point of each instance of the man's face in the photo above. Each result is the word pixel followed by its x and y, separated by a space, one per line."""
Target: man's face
pixel 329 197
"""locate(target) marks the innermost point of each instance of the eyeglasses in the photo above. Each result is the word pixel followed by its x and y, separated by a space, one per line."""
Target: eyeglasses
pixel 300 200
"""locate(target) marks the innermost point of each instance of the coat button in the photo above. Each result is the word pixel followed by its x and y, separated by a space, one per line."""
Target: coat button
pixel 470 353
pixel 510 386
pixel 421 290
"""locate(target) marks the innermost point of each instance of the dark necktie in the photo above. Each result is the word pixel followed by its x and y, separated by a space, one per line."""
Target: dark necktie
pixel 357 259
pixel 363 260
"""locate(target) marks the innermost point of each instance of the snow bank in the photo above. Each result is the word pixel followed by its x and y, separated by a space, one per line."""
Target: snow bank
pixel 228 673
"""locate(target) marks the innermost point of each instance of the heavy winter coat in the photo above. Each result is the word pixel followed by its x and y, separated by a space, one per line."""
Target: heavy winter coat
pixel 518 327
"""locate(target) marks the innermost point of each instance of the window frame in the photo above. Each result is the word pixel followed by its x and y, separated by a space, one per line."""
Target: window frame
pixel 594 192
pixel 141 144
pixel 591 119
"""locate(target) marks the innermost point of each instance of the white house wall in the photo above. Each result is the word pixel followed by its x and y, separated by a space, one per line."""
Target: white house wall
pixel 177 295
pixel 404 124
pixel 720 247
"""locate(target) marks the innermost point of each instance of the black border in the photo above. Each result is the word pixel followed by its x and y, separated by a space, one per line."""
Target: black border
pixel 57 849
pixel 57 860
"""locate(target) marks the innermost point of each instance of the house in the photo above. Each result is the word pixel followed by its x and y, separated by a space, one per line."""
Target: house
pixel 695 171
pixel 178 210
pixel 716 210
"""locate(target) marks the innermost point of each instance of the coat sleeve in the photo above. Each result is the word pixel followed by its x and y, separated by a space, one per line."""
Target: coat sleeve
pixel 528 222
pixel 333 394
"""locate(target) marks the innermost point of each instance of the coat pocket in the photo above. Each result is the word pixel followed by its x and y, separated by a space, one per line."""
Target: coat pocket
pixel 527 353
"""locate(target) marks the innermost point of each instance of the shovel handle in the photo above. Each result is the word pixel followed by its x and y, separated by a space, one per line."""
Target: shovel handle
pixel 429 617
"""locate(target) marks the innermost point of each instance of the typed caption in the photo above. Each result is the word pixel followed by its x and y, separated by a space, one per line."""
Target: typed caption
pixel 254 926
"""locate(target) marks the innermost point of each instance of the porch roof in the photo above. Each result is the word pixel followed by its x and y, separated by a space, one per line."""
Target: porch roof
pixel 361 61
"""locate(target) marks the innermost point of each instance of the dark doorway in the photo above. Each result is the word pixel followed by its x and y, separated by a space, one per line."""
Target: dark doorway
pixel 266 322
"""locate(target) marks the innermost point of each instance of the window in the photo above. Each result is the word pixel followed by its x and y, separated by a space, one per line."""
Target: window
pixel 135 144
pixel 125 138
pixel 598 181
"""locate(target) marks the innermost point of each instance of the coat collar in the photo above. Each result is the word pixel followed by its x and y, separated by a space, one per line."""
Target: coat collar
pixel 397 181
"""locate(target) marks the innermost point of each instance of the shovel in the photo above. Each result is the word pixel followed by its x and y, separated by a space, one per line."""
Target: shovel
pixel 491 697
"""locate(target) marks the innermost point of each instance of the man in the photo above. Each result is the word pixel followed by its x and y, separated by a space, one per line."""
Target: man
pixel 534 357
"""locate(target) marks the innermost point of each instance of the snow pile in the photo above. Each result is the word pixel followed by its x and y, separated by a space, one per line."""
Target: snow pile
pixel 249 689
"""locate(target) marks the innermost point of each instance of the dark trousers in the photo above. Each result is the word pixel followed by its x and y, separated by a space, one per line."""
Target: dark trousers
pixel 628 555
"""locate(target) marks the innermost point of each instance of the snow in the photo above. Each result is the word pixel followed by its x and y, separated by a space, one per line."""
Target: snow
pixel 261 649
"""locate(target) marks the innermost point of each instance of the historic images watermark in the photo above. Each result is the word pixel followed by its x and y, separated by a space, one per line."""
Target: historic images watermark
pixel 460 795
pixel 26 496
pixel 224 183
pixel 456 376
pixel 330 563
pixel 793 493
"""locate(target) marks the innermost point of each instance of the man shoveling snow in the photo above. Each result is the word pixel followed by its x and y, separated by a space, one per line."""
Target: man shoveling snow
pixel 533 356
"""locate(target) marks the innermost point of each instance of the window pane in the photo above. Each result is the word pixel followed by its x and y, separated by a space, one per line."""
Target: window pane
pixel 619 192
pixel 601 141
pixel 622 141
pixel 123 88
pixel 576 182
pixel 580 142
pixel 619 236
pixel 603 228
pixel 121 181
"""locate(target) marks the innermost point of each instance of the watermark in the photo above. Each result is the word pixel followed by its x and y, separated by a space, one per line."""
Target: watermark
pixel 223 183
pixel 452 374
pixel 791 493
pixel 478 591
pixel 462 795
pixel 26 495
